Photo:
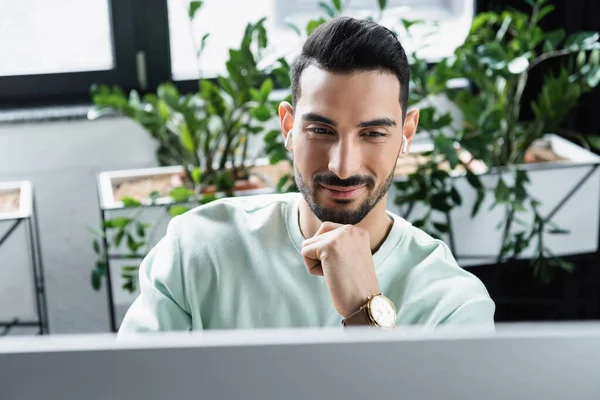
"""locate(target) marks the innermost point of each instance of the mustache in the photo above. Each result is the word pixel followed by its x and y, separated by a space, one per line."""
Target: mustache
pixel 333 180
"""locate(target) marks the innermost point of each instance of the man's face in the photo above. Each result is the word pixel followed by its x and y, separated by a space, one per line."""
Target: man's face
pixel 347 133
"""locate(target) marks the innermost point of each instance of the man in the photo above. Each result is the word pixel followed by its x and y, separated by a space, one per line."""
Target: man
pixel 331 255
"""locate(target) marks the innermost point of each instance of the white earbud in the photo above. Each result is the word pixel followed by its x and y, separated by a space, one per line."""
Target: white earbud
pixel 288 140
pixel 404 145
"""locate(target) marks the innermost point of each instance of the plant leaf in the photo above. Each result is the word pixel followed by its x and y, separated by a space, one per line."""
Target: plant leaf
pixel 96 277
pixel 502 192
pixel 443 228
pixel 196 175
pixel 314 24
pixel 181 194
pixel 294 28
pixel 455 196
pixel 194 7
pixel 478 202
pixel 594 141
pixel 119 237
pixel 593 78
pixel 187 140
pixel 140 229
pixel 558 231
pixel 178 210
pixel 130 202
pixel 327 8
pixel 96 246
pixel 261 113
pixel 382 4
pixel 338 5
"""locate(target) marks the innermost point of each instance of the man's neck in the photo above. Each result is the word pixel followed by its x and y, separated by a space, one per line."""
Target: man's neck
pixel 377 223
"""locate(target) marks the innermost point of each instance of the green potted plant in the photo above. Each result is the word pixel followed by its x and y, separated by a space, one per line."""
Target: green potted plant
pixel 203 140
pixel 534 185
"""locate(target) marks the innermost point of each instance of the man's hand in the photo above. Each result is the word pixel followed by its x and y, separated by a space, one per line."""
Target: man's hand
pixel 342 255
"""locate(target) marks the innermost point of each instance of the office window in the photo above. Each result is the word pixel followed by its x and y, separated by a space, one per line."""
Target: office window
pixel 54 36
pixel 446 24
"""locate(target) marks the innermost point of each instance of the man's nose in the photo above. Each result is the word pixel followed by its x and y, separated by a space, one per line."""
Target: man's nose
pixel 344 159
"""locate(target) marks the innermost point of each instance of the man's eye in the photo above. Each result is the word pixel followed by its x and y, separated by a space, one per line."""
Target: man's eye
pixel 375 134
pixel 320 131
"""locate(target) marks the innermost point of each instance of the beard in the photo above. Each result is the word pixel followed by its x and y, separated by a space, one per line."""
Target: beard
pixel 343 215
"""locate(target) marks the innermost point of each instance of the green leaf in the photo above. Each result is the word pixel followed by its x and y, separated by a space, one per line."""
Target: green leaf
pixel 203 43
pixel 594 141
pixel 207 198
pixel 410 22
pixel 194 7
pixel 277 156
pixel 282 181
pixel 96 279
pixel 96 246
pixel 582 40
pixel 502 192
pixel 593 78
pixel 382 4
pixel 338 5
pixel 314 24
pixel 226 85
pixel 133 268
pixel 438 202
pixel 474 180
pixel 116 222
pixel 545 11
pixel 186 138
pixel 328 10
pixel 196 175
pixel 131 244
pixel 294 28
pixel 530 2
pixel 272 135
pixel 455 196
pixel 154 195
pixel 178 210
pixel 181 194
pixel 263 39
pixel 119 237
pixel 139 229
pixel 558 231
pixel 261 113
pixel 443 228
pixel 478 202
pixel 265 90
pixel 130 202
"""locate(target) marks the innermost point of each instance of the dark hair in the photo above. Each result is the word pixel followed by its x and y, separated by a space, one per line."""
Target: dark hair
pixel 346 45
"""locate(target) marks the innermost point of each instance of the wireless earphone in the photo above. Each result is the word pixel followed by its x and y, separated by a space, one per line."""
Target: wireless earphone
pixel 404 149
pixel 288 140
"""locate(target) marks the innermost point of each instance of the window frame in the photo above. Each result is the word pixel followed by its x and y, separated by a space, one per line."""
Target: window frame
pixel 74 87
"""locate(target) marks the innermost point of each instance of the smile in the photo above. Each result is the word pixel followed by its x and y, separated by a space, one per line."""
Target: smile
pixel 342 192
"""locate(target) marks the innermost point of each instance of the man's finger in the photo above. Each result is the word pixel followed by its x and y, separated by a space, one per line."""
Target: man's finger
pixel 327 227
pixel 324 233
pixel 311 259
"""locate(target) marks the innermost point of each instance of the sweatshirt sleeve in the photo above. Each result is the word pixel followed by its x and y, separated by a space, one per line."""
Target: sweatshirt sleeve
pixel 475 312
pixel 161 304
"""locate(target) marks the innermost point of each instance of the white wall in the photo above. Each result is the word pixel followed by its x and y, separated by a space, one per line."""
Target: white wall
pixel 62 160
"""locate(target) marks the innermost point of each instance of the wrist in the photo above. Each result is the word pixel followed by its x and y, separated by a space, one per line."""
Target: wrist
pixel 378 311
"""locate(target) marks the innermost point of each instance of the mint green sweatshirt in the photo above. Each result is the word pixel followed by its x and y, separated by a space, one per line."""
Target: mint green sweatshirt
pixel 236 263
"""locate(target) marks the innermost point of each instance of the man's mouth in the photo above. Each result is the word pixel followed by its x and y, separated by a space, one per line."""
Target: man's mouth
pixel 342 192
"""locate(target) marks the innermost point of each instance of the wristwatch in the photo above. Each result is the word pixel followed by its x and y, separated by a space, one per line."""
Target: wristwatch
pixel 378 311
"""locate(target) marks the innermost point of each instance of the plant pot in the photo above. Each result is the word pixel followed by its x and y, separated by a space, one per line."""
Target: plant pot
pixel 15 200
pixel 569 189
pixel 22 293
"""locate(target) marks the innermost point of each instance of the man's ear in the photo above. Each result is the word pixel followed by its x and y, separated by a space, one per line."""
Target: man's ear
pixel 286 120
pixel 410 126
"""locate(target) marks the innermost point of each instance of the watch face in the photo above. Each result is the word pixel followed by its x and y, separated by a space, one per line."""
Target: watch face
pixel 383 311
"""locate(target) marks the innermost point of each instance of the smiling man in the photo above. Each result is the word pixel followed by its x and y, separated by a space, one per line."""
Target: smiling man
pixel 333 254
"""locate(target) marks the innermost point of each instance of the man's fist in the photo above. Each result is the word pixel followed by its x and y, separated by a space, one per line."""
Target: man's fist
pixel 342 255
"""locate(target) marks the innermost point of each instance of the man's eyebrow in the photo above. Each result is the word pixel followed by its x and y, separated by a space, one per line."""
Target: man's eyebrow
pixel 377 122
pixel 313 117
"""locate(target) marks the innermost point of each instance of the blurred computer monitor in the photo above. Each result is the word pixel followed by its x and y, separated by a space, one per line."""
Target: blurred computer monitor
pixel 517 362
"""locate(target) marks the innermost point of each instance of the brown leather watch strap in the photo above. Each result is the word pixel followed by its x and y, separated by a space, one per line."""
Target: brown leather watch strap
pixel 359 318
